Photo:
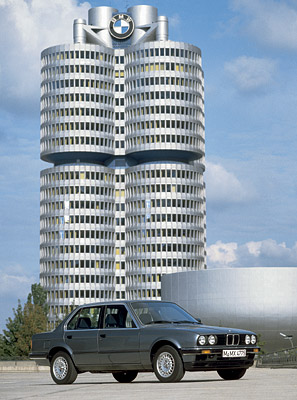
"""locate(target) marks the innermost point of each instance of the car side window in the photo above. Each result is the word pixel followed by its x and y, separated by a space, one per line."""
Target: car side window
pixel 86 318
pixel 117 316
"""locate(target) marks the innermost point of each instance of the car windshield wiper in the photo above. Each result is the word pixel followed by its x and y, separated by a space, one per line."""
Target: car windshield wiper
pixel 159 322
pixel 186 322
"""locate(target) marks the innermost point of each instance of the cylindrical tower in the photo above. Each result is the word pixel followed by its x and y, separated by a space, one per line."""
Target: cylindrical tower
pixel 77 194
pixel 165 197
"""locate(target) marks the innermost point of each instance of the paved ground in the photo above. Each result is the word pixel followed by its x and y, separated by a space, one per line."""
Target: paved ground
pixel 264 384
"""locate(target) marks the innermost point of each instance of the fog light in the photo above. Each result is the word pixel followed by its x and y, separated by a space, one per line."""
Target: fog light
pixel 205 351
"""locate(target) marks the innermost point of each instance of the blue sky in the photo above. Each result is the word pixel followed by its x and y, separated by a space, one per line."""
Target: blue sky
pixel 249 50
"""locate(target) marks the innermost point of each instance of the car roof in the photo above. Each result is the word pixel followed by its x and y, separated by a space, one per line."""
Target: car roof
pixel 110 302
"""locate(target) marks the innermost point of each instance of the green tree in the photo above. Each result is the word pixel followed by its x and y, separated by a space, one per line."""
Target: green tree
pixel 28 320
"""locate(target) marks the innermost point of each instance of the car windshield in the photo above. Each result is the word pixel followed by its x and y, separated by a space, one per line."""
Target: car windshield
pixel 161 312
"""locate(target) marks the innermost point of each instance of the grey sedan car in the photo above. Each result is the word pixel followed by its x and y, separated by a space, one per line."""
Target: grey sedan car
pixel 127 337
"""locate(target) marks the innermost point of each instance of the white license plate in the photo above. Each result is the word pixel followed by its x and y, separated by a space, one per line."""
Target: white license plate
pixel 234 353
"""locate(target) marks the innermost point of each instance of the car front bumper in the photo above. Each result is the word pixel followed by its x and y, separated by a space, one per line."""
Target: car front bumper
pixel 210 359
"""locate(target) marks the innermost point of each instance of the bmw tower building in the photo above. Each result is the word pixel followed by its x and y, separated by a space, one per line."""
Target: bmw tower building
pixel 122 125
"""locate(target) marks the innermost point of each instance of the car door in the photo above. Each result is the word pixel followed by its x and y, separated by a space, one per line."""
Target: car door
pixel 81 335
pixel 118 338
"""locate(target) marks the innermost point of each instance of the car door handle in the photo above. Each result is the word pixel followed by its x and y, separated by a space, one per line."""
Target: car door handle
pixel 102 335
pixel 69 336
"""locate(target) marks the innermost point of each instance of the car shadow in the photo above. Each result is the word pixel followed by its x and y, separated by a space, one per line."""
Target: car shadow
pixel 138 382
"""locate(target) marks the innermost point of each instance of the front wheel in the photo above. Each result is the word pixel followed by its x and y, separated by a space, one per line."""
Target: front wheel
pixel 125 376
pixel 63 371
pixel 168 365
pixel 231 374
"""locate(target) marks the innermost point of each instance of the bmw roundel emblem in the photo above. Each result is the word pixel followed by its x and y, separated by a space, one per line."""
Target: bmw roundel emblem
pixel 121 26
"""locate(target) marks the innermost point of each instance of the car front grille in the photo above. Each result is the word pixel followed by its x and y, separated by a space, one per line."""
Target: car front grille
pixel 232 340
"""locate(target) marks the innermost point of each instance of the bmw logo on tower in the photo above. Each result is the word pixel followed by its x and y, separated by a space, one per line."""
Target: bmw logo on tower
pixel 121 26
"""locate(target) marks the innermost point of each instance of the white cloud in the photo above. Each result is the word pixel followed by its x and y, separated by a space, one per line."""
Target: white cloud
pixel 251 74
pixel 15 282
pixel 26 28
pixel 174 21
pixel 224 187
pixel 266 253
pixel 269 22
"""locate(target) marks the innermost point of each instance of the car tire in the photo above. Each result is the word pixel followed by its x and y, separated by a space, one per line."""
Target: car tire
pixel 63 371
pixel 168 365
pixel 231 374
pixel 125 376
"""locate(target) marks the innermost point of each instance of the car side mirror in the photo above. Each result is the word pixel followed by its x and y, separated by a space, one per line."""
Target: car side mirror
pixel 198 320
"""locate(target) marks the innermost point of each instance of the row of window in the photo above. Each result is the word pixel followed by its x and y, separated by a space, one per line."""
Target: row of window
pixel 164 66
pixel 152 218
pixel 47 222
pixel 48 144
pixel 50 266
pixel 170 110
pixel 75 112
pixel 163 188
pixel 83 278
pixel 76 54
pixel 77 234
pixel 194 205
pixel 161 172
pixel 95 190
pixel 132 55
pixel 145 294
pixel 90 138
pixel 182 82
pixel 51 72
pixel 163 51
pixel 133 264
pixel 53 100
pixel 135 250
pixel 139 138
pixel 140 234
pixel 61 113
pixel 132 236
pixel 47 87
pixel 81 174
pixel 49 251
pixel 109 177
pixel 83 294
pixel 104 207
pixel 194 98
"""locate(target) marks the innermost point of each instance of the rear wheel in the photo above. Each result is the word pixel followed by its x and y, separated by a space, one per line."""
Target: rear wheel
pixel 231 374
pixel 168 365
pixel 125 376
pixel 63 371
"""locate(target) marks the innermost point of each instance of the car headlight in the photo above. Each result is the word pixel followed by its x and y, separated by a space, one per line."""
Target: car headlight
pixel 253 339
pixel 202 340
pixel 247 339
pixel 212 339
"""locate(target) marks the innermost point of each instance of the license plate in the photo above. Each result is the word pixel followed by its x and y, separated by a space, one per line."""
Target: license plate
pixel 234 353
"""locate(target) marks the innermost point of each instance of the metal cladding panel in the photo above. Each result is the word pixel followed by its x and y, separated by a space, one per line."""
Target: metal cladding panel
pixel 262 300
pixel 100 16
pixel 142 15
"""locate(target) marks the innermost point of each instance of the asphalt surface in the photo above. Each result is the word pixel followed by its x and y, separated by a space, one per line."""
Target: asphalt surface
pixel 258 383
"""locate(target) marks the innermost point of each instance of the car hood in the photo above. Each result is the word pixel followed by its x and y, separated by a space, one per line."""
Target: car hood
pixel 200 329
